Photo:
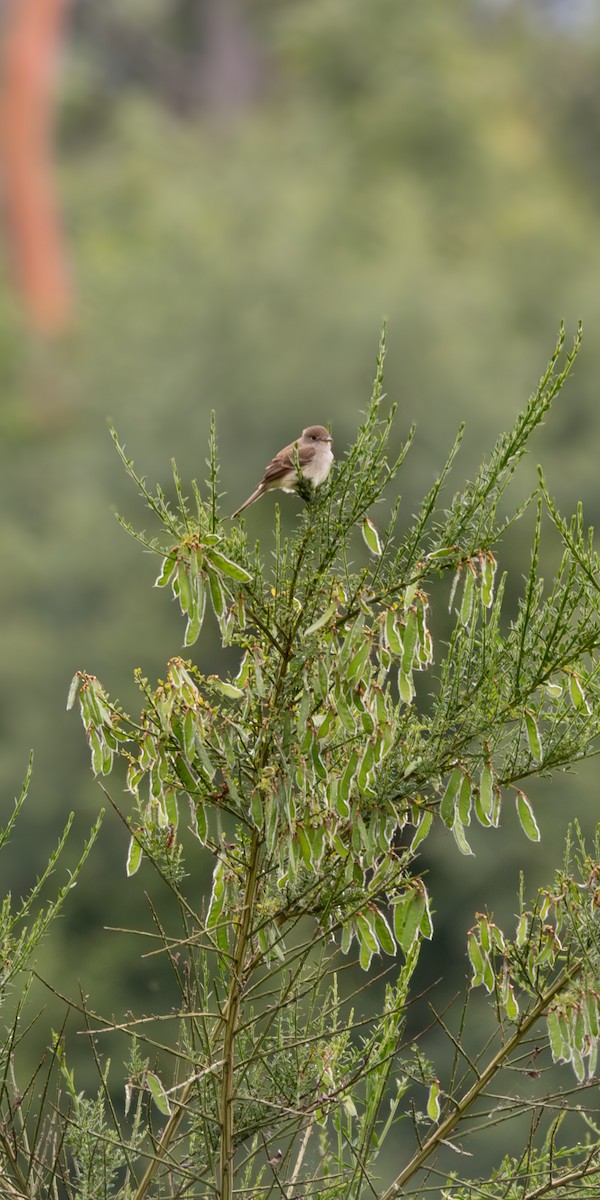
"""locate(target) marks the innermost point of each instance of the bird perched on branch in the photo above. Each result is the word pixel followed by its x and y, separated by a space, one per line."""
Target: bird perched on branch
pixel 311 454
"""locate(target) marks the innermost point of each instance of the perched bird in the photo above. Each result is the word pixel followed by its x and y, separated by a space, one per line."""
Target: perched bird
pixel 276 1159
pixel 314 459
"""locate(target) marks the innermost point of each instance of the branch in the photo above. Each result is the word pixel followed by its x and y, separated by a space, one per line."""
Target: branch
pixel 443 1130
pixel 561 1181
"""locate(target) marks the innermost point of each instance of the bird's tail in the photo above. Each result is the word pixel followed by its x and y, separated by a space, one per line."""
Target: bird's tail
pixel 255 496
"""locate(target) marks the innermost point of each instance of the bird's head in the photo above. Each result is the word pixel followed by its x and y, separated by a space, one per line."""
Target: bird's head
pixel 317 433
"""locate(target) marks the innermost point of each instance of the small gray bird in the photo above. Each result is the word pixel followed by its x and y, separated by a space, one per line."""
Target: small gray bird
pixel 314 458
pixel 276 1159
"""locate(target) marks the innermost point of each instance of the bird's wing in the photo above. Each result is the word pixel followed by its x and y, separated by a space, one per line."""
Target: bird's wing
pixel 284 461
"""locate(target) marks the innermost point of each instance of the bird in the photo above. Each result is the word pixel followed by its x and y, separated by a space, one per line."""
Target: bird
pixel 315 457
pixel 276 1159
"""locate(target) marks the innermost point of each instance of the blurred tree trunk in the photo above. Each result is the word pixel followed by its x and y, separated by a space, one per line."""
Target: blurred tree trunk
pixel 199 55
pixel 32 32
pixel 232 68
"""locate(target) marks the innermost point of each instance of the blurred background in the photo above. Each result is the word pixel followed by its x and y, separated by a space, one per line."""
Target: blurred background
pixel 213 204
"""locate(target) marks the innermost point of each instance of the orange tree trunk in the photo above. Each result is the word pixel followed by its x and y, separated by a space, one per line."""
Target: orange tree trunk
pixel 31 39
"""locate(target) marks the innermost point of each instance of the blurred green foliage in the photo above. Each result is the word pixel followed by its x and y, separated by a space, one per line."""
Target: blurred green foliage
pixel 435 165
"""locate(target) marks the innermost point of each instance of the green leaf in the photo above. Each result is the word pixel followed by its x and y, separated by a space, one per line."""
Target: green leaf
pixel 464 801
pixel 476 958
pixel 392 635
pixel 425 650
pixel 256 809
pixel 365 954
pixel 346 939
pixel 196 613
pixel 366 768
pixel 354 636
pixel 134 856
pixel 158 1093
pixel 355 668
pixel 522 931
pixel 449 798
pixel 217 896
pixel 482 968
pixel 324 727
pixel 371 536
pixel 484 797
pixel 408 913
pixel 97 748
pixel 366 937
pixel 421 831
pixel 459 836
pixel 189 732
pixel 349 776
pixel 577 694
pixel 343 711
pixel 533 736
pixel 332 792
pixel 560 1052
pixel 258 677
pixel 305 845
pixel 426 926
pixel 382 931
pixel 323 619
pixel 466 608
pixel 488 572
pixel 199 826
pixel 217 595
pixel 497 807
pixel 304 708
pixel 485 934
pixel 316 834
pixel 184 587
pixel 168 566
pixel 323 679
pixel 227 567
pixel 511 1006
pixel 525 814
pixel 406 686
pixel 226 689
pixel 73 690
pixel 271 817
pixel 488 976
pixel 433 1101
pixel 589 1003
pixel 107 758
pixel 410 641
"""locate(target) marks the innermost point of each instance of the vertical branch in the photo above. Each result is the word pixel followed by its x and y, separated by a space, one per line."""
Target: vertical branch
pixel 213 480
pixel 231 1022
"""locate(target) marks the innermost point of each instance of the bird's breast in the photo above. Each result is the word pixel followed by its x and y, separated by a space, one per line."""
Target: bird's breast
pixel 318 470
